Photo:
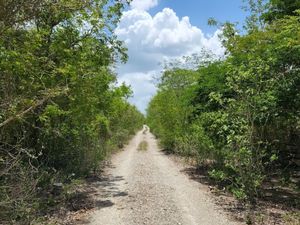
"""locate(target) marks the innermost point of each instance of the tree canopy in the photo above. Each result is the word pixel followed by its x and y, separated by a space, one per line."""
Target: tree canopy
pixel 62 111
pixel 239 116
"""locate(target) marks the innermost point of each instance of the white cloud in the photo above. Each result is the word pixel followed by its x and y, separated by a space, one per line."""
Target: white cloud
pixel 143 4
pixel 142 86
pixel 154 39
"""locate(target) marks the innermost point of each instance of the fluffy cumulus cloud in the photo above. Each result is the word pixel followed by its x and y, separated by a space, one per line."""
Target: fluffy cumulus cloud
pixel 143 4
pixel 154 39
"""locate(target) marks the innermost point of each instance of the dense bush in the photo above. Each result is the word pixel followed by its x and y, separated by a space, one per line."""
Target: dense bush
pixel 61 109
pixel 242 115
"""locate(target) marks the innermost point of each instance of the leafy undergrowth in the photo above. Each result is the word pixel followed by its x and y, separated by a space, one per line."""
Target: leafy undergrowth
pixel 71 203
pixel 279 204
pixel 275 206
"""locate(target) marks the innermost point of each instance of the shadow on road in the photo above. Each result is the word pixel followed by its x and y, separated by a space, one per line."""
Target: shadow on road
pixel 99 193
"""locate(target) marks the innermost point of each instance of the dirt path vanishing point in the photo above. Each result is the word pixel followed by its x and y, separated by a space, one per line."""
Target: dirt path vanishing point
pixel 146 187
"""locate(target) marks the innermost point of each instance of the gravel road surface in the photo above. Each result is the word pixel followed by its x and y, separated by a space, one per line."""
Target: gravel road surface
pixel 147 187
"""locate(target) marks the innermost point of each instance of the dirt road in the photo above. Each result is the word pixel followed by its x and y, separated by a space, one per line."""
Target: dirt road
pixel 146 187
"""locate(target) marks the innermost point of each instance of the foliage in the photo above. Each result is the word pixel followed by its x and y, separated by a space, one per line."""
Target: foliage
pixel 61 109
pixel 241 117
pixel 280 8
pixel 169 110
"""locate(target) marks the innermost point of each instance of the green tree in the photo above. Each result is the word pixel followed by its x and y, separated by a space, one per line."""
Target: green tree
pixel 61 110
pixel 280 8
pixel 241 117
pixel 169 111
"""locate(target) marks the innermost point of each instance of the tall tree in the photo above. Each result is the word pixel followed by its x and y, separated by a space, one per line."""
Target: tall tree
pixel 280 8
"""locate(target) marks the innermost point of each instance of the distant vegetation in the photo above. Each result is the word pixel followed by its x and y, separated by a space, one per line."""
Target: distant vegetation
pixel 61 111
pixel 239 116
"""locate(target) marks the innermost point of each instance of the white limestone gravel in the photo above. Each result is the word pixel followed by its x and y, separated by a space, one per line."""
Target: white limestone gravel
pixel 147 188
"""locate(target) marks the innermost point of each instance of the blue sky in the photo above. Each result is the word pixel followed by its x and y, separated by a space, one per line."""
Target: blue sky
pixel 199 11
pixel 155 31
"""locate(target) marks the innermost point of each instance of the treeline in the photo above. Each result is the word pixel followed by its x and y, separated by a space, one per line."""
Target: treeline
pixel 239 116
pixel 61 109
